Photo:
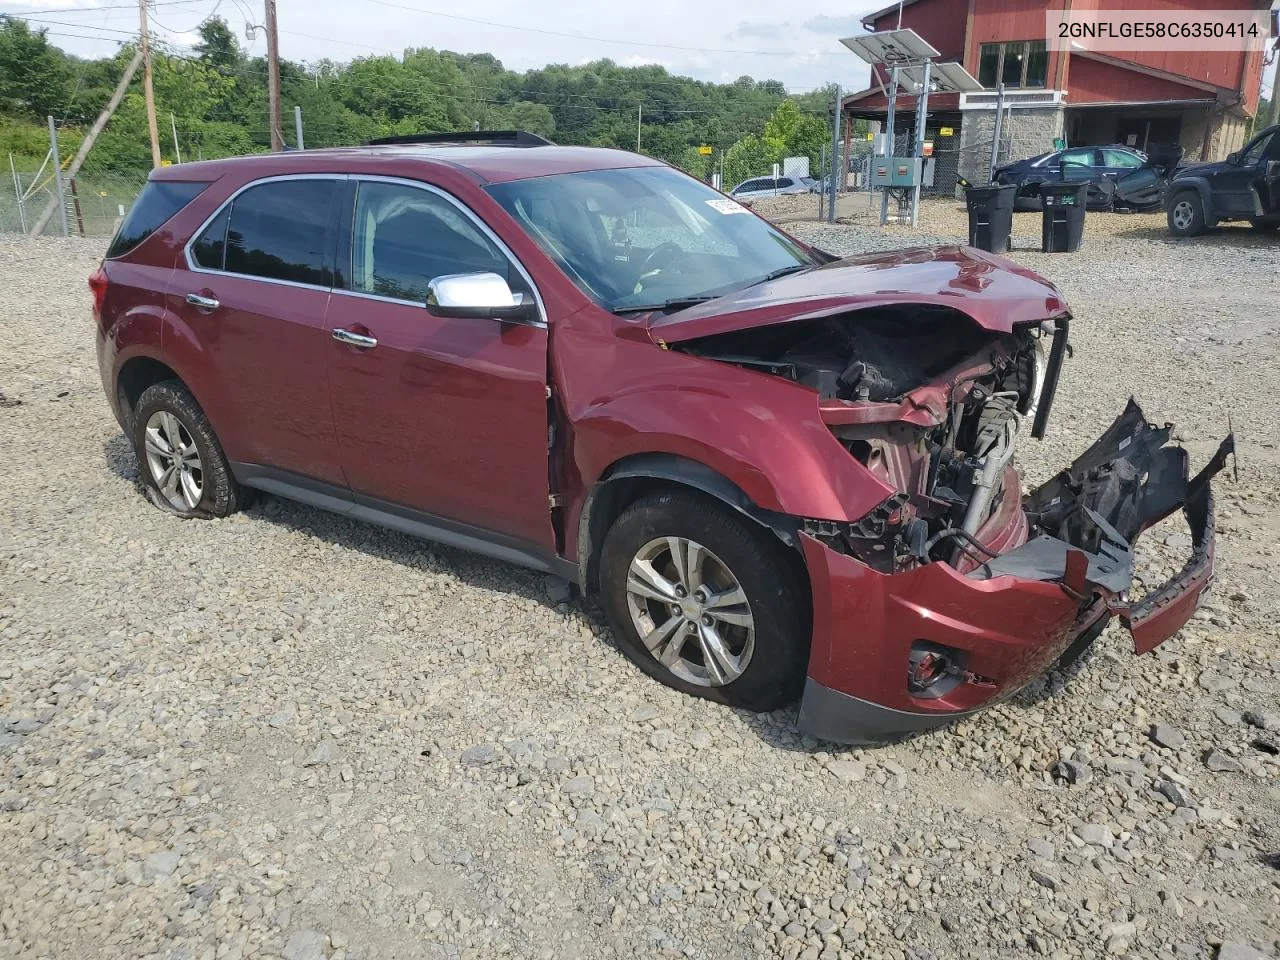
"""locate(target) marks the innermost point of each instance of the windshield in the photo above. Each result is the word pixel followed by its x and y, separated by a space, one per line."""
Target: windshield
pixel 647 236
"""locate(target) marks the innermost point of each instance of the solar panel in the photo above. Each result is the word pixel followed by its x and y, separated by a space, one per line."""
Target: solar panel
pixel 891 47
pixel 943 78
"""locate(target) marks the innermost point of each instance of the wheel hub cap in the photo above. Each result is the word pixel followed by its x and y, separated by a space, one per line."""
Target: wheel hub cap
pixel 690 611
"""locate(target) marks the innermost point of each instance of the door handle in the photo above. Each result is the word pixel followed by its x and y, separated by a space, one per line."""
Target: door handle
pixel 204 303
pixel 354 339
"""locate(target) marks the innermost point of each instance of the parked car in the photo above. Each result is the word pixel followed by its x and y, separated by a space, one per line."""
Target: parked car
pixel 781 474
pixel 760 187
pixel 1245 186
pixel 1109 170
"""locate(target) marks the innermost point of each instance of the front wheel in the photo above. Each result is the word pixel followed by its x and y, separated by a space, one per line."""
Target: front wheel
pixel 183 468
pixel 706 602
pixel 1186 214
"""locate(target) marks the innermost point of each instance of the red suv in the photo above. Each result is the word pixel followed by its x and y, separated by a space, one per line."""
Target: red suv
pixel 781 474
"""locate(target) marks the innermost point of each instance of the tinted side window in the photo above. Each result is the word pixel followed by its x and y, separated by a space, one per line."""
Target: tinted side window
pixel 405 237
pixel 785 182
pixel 210 249
pixel 280 231
pixel 159 200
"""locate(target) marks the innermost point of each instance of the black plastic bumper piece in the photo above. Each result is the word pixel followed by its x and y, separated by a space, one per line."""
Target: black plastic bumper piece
pixel 831 715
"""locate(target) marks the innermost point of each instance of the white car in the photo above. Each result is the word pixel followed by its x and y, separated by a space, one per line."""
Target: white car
pixel 760 187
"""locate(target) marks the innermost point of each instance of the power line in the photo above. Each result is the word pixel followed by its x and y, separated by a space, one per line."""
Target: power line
pixel 582 36
pixel 109 6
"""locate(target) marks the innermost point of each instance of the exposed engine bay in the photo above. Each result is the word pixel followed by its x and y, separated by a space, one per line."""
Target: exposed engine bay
pixel 968 394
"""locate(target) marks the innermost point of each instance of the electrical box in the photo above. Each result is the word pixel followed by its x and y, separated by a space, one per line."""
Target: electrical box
pixel 895 171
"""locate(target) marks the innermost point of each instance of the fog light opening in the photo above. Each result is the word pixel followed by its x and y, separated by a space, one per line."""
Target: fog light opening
pixel 933 670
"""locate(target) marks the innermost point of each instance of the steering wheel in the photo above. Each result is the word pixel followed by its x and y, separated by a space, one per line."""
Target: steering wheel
pixel 660 256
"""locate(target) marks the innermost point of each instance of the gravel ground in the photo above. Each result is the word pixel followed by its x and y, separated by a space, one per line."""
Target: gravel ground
pixel 289 735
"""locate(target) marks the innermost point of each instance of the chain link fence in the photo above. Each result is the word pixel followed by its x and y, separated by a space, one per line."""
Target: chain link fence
pixel 95 201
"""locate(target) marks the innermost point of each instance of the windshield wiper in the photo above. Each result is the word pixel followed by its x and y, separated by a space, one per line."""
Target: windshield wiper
pixel 675 303
pixel 780 272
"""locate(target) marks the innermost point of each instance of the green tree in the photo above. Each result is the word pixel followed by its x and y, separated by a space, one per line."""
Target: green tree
pixel 35 80
pixel 218 46
pixel 792 133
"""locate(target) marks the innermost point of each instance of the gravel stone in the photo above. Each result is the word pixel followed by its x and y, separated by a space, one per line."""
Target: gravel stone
pixel 1095 834
pixel 1232 950
pixel 1220 762
pixel 1262 719
pixel 1168 736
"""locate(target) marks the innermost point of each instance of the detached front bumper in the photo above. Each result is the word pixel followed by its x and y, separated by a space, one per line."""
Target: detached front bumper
pixel 1003 623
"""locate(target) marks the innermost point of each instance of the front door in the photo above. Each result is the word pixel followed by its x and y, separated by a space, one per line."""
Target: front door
pixel 1235 188
pixel 439 416
pixel 253 296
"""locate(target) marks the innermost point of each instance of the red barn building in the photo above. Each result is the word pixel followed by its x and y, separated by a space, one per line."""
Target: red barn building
pixel 1202 100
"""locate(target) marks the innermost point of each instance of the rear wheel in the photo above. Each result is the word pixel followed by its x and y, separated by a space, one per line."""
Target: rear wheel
pixel 1186 214
pixel 706 602
pixel 1265 224
pixel 182 466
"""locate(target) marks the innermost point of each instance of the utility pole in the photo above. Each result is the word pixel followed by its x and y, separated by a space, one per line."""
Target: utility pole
pixel 273 79
pixel 639 113
pixel 152 128
pixel 297 126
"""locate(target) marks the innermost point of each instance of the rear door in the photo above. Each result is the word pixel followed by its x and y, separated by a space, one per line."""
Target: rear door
pixel 254 295
pixel 442 416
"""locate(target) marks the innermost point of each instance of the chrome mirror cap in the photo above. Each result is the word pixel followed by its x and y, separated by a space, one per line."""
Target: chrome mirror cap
pixel 469 291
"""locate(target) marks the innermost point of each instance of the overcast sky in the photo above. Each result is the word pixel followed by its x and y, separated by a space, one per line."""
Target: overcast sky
pixel 712 40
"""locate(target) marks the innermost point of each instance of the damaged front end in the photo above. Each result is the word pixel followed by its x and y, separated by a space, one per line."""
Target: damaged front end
pixel 957 590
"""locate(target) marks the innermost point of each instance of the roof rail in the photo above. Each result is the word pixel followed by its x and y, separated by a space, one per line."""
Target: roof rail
pixel 499 138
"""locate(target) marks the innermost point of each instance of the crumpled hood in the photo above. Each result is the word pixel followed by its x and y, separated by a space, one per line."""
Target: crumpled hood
pixel 995 292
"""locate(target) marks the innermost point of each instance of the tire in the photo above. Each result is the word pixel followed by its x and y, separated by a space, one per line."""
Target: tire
pixel 163 410
pixel 765 664
pixel 1186 214
pixel 1265 224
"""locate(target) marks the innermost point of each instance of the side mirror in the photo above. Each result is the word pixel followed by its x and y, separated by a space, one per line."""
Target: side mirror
pixel 481 296
pixel 1233 158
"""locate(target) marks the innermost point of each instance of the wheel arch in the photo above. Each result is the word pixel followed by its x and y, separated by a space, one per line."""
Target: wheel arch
pixel 639 475
pixel 135 375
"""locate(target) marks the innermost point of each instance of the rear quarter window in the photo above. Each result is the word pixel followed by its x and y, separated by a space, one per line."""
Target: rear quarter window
pixel 159 200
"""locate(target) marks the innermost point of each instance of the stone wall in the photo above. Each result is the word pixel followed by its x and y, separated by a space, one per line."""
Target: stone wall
pixel 1025 132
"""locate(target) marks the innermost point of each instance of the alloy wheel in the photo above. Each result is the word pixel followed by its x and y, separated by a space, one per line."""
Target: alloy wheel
pixel 174 461
pixel 690 611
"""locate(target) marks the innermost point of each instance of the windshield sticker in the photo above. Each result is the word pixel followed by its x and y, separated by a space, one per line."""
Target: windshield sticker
pixel 726 206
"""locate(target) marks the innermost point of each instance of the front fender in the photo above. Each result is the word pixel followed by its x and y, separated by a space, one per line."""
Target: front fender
pixel 773 446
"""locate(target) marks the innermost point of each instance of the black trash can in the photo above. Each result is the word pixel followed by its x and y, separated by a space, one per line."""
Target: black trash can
pixel 990 216
pixel 1062 229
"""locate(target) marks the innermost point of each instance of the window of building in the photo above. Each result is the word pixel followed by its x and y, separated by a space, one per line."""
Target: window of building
pixel 1017 64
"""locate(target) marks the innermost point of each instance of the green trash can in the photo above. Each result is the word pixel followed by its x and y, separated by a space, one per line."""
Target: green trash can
pixel 1062 229
pixel 990 216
